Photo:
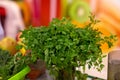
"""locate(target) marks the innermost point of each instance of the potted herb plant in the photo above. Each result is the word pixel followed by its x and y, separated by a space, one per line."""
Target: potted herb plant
pixel 64 47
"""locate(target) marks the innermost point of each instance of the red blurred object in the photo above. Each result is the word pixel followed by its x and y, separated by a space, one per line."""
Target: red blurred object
pixel 58 9
pixel 2 15
pixel 18 36
pixel 34 6
pixel 43 11
pixel 2 11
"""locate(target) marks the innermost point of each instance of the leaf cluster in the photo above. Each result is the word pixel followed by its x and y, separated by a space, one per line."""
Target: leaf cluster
pixel 63 46
pixel 11 65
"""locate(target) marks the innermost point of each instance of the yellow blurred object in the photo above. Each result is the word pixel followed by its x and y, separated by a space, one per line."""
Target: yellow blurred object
pixel 112 9
pixel 64 6
pixel 112 25
pixel 78 24
pixel 8 44
pixel 108 12
pixel 108 20
pixel 20 43
pixel 107 31
pixel 1 78
pixel 23 51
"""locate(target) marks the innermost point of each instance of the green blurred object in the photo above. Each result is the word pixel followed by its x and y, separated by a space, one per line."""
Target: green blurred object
pixel 21 74
pixel 79 10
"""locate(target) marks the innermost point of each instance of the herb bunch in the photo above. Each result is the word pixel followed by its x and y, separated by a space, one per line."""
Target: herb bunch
pixel 64 47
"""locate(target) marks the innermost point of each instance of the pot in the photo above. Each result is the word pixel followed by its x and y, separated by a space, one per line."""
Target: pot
pixel 37 69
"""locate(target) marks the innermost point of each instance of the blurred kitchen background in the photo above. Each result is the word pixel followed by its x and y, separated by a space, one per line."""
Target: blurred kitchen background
pixel 20 14
pixel 16 15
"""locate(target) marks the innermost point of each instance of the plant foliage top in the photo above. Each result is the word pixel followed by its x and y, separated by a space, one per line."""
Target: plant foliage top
pixel 63 46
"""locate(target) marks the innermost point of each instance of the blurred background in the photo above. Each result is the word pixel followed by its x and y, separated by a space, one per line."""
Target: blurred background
pixel 16 15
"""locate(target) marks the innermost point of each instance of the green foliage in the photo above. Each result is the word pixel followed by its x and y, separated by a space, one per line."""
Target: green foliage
pixel 4 59
pixel 11 65
pixel 63 46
